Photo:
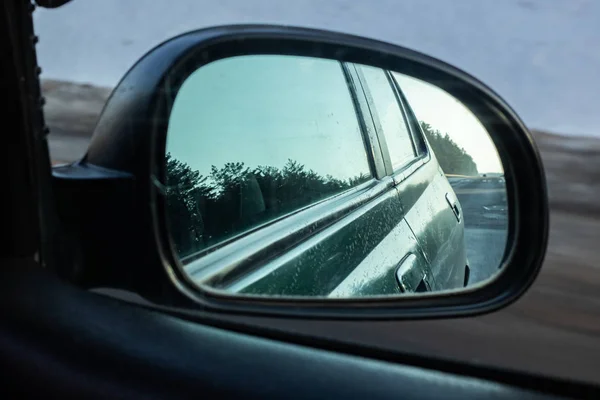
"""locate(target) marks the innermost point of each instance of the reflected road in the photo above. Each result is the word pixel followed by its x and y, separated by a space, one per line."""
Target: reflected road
pixel 485 211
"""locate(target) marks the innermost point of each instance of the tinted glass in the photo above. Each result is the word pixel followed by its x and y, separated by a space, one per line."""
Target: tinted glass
pixel 264 136
pixel 389 113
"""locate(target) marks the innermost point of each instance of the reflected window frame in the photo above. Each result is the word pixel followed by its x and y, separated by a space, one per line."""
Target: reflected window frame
pixel 423 156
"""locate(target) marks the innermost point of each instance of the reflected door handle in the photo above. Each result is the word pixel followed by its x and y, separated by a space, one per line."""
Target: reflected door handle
pixel 411 276
pixel 453 203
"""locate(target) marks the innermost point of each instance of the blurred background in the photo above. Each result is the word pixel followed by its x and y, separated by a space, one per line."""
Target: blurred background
pixel 539 55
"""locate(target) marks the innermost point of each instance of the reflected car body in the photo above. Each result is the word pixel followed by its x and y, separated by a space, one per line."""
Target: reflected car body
pixel 401 231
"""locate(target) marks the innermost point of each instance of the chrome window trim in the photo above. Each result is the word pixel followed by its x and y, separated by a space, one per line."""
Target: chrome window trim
pixel 409 168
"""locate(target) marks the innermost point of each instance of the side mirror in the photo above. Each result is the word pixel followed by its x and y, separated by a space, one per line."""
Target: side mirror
pixel 287 171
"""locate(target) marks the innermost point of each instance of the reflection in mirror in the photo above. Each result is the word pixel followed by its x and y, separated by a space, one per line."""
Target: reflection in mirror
pixel 297 176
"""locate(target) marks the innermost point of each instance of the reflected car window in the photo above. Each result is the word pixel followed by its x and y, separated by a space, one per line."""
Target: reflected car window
pixel 265 136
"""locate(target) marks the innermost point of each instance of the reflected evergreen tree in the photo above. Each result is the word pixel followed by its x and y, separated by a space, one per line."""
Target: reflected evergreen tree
pixel 452 158
pixel 184 191
pixel 207 209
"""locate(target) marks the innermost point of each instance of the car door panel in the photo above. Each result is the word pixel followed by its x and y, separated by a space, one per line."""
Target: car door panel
pixel 396 265
pixel 440 234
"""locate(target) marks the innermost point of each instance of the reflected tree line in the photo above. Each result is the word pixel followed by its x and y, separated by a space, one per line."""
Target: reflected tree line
pixel 452 158
pixel 204 210
pixel 207 209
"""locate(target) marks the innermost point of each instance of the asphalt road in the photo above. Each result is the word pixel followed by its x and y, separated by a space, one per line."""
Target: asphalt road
pixel 485 212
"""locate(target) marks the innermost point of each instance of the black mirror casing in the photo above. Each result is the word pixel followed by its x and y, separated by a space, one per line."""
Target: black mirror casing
pixel 112 201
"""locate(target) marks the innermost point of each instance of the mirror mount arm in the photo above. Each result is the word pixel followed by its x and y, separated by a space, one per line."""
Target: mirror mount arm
pixel 99 233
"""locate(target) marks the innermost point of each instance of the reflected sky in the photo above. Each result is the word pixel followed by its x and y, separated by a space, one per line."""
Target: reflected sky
pixel 264 110
pixel 443 112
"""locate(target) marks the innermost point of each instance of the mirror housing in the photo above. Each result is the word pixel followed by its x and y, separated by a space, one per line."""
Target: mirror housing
pixel 112 201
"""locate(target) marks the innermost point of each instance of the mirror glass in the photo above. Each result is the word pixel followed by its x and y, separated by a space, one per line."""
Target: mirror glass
pixel 296 176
